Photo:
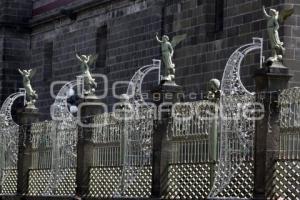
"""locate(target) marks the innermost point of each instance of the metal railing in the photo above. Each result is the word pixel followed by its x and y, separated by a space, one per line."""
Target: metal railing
pixel 190 132
pixel 290 124
pixel 106 139
pixel 41 145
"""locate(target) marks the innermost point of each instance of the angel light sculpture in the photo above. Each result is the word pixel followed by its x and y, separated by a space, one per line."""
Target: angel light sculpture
pixel 167 49
pixel 275 17
pixel 89 81
pixel 31 95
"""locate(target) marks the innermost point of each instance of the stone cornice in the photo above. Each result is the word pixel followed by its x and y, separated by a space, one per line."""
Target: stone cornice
pixel 54 12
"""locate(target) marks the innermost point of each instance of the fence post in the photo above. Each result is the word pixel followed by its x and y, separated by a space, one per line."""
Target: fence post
pixel 269 82
pixel 123 140
pixel 87 110
pixel 164 97
pixel 213 148
pixel 28 116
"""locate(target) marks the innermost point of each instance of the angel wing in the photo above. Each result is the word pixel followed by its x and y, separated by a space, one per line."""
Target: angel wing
pixel 177 39
pixel 32 72
pixel 92 59
pixel 285 13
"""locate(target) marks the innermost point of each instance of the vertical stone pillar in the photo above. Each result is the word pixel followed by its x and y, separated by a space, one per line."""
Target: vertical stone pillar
pixel 269 82
pixel 164 97
pixel 27 117
pixel 88 109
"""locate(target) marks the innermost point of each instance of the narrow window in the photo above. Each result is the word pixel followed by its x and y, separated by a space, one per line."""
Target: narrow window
pixel 101 47
pixel 219 9
pixel 48 57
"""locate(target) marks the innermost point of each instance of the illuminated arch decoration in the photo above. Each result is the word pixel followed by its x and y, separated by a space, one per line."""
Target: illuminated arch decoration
pixel 64 137
pixel 237 134
pixel 9 135
pixel 138 130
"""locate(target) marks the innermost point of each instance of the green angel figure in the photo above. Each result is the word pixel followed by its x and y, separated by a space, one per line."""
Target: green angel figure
pixel 89 81
pixel 31 95
pixel 167 49
pixel 274 18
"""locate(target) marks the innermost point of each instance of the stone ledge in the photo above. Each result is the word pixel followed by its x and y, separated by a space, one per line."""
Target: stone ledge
pixel 54 13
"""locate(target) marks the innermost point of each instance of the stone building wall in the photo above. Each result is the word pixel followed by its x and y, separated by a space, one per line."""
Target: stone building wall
pixel 14 43
pixel 291 38
pixel 122 34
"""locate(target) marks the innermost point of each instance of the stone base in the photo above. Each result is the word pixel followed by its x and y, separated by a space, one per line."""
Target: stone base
pixel 169 86
pixel 274 64
pixel 167 92
pixel 30 109
pixel 90 97
pixel 28 115
pixel 272 78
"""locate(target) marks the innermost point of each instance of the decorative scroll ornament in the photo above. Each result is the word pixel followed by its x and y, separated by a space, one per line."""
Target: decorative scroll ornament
pixel 138 129
pixel 9 136
pixel 236 130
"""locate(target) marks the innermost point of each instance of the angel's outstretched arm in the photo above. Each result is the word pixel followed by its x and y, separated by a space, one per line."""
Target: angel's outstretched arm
pixel 265 12
pixel 21 72
pixel 158 40
pixel 78 57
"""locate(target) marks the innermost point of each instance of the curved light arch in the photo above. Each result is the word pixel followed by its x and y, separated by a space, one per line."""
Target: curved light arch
pixel 7 106
pixel 134 90
pixel 234 94
pixel 132 168
pixel 231 73
pixel 59 109
pixel 64 145
pixel 9 135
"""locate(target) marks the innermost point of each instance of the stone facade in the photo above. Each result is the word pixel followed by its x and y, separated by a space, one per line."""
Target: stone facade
pixel 14 43
pixel 46 34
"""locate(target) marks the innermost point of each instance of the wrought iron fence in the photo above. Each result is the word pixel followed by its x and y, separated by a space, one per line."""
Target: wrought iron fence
pixel 112 153
pixel 189 172
pixel 290 124
pixel 285 182
pixel 106 139
pixel 41 145
pixel 8 158
pixel 194 138
pixel 190 130
pixel 42 134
